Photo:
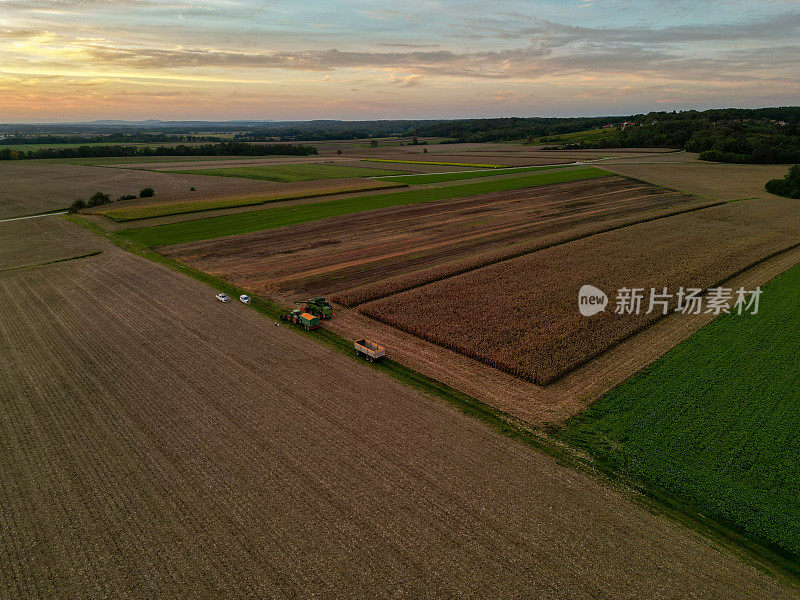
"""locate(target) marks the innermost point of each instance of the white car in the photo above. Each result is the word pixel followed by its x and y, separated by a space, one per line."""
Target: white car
pixel 222 297
pixel 245 299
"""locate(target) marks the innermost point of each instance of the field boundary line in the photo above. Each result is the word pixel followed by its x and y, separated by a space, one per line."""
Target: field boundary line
pixel 49 213
pixel 748 548
pixel 52 262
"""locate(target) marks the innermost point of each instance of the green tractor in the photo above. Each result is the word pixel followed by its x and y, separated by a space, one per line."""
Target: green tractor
pixel 317 306
pixel 298 317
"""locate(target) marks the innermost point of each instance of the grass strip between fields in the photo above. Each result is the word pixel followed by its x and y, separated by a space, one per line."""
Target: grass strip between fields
pixel 430 162
pixel 248 222
pixel 456 175
pixel 138 213
pixel 654 499
pixel 288 173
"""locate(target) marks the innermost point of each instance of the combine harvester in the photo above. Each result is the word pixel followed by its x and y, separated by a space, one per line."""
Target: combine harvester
pixel 318 306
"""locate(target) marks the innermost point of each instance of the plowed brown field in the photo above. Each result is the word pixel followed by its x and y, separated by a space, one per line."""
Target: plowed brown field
pixel 394 249
pixel 521 315
pixel 26 242
pixel 156 443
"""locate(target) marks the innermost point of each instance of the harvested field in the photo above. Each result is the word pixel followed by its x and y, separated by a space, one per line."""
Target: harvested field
pixel 211 465
pixel 138 210
pixel 364 256
pixel 27 242
pixel 291 172
pixel 31 187
pixel 521 315
pixel 713 180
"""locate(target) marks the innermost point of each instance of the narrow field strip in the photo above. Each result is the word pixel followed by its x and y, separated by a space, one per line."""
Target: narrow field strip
pixel 226 225
pixel 288 173
pixel 138 213
pixel 456 175
pixel 430 162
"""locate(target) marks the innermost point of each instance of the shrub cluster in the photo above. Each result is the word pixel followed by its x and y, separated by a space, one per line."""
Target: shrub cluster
pixel 788 185
pixel 99 198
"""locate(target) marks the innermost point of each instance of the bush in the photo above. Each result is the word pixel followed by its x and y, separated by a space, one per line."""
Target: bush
pixel 788 186
pixel 191 189
pixel 76 206
pixel 147 192
pixel 338 152
pixel 98 199
pixel 126 197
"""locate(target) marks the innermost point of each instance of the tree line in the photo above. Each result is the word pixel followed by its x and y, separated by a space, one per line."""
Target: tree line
pixel 221 149
pixel 509 128
pixel 113 138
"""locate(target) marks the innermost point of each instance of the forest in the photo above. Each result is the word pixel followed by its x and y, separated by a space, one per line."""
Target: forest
pixel 767 136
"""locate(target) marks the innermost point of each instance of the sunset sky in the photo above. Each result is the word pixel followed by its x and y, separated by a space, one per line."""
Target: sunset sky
pixel 68 60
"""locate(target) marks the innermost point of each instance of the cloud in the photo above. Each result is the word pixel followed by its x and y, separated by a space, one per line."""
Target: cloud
pixel 782 26
pixel 408 81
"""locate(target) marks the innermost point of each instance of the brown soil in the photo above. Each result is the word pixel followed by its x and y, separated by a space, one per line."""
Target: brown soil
pixel 26 242
pixel 162 444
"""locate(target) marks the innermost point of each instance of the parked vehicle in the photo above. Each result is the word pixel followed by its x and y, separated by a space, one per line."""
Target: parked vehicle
pixel 244 298
pixel 317 306
pixel 298 317
pixel 222 297
pixel 369 350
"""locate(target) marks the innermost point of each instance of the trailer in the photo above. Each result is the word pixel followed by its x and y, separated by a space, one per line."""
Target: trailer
pixel 298 317
pixel 369 350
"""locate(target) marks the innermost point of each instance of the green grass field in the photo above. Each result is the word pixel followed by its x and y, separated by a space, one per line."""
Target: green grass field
pixel 248 222
pixel 124 214
pixel 716 421
pixel 429 162
pixel 456 175
pixel 589 135
pixel 289 173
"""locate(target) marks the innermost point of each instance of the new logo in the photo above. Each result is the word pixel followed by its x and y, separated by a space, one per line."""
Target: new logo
pixel 591 300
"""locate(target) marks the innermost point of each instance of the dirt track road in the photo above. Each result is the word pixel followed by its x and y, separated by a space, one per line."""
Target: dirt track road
pixel 156 443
